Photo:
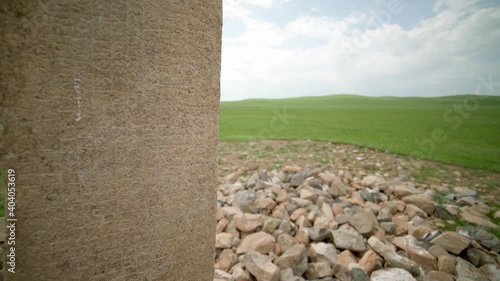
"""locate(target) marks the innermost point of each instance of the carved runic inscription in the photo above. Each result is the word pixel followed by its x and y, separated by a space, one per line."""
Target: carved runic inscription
pixel 111 112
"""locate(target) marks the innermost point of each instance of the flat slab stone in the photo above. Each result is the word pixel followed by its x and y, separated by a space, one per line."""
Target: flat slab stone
pixel 482 236
pixel 451 242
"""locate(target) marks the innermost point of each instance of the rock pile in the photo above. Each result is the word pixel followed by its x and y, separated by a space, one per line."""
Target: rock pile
pixel 307 224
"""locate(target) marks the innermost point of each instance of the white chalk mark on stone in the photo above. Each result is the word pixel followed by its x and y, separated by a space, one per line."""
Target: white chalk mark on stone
pixel 76 81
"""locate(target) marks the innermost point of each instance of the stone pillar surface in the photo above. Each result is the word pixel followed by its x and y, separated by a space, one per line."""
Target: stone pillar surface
pixel 109 117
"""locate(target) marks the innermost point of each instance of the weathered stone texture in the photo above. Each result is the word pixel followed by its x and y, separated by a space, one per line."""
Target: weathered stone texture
pixel 110 110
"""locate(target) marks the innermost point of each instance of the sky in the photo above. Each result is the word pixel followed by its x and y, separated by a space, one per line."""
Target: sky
pixel 291 48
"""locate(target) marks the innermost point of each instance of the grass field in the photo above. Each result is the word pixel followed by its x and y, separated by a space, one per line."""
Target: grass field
pixel 463 130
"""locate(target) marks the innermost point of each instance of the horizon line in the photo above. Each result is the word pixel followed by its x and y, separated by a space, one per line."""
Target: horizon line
pixel 356 95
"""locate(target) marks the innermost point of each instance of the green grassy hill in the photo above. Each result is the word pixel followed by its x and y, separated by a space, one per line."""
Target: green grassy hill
pixel 462 130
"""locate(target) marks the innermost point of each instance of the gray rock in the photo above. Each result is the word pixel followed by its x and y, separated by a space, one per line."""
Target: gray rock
pixel 322 252
pixel 297 179
pixel 416 253
pixel 370 195
pixel 371 181
pixel 295 258
pixel 263 176
pixel 342 273
pixel 341 218
pixel 316 183
pixel 467 201
pixel 261 267
pixel 271 224
pixel 252 180
pixel 220 275
pixel 491 272
pixel 479 258
pixel 466 270
pixel 482 236
pixel 319 234
pixel 388 227
pixel 466 193
pixel 287 227
pixel 230 189
pixel 392 258
pixel 318 270
pixel 285 241
pixel 244 201
pixel 359 274
pixel 290 208
pixel 287 275
pixel 431 235
pixel 364 222
pixel 391 274
pixel 349 240
pixel 442 213
pixel 384 215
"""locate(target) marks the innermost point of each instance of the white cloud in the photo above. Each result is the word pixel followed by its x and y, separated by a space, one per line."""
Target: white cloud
pixel 266 4
pixel 234 9
pixel 307 56
pixel 454 4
